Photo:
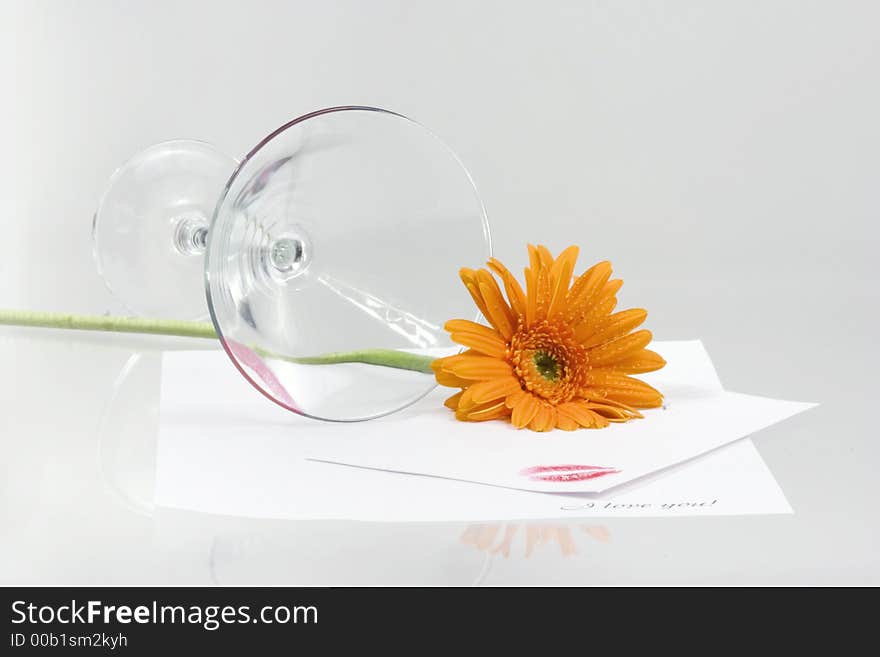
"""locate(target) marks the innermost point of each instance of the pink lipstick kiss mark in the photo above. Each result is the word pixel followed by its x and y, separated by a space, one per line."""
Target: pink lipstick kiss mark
pixel 564 473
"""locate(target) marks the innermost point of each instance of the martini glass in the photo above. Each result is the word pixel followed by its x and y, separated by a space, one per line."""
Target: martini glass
pixel 326 259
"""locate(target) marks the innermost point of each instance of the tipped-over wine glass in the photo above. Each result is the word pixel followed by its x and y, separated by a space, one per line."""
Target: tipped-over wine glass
pixel 326 259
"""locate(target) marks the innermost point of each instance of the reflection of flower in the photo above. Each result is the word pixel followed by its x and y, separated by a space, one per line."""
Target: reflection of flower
pixel 483 537
pixel 554 355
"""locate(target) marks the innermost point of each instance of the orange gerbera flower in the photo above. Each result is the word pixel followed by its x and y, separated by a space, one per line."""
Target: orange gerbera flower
pixel 554 355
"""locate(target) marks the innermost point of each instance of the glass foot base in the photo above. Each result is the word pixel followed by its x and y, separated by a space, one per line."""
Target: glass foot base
pixel 150 228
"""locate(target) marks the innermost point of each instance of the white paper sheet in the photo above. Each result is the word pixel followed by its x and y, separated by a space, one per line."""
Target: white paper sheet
pixel 223 449
pixel 698 416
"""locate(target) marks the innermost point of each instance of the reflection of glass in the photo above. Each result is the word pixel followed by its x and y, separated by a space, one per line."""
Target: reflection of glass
pixel 340 553
pixel 127 433
pixel 339 233
pixel 304 552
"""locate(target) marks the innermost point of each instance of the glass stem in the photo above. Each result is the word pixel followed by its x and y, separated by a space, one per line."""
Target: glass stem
pixel 115 324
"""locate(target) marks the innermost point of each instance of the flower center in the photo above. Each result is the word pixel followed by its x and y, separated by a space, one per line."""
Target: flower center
pixel 546 365
pixel 548 361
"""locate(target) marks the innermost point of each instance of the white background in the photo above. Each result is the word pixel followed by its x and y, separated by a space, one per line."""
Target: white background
pixel 724 155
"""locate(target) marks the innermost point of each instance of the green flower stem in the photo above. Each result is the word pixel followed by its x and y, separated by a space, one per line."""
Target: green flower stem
pixel 384 357
pixel 402 360
pixel 108 323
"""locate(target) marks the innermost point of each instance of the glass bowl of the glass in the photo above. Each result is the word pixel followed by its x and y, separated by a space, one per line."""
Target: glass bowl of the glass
pixel 332 261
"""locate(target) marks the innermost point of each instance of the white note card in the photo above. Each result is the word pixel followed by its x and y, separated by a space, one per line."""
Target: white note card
pixel 224 449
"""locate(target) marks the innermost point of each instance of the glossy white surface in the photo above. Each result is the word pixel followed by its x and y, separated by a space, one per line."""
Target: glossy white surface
pixel 724 157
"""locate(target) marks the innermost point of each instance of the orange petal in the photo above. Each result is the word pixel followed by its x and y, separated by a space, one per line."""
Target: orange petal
pixel 542 292
pixel 605 307
pixel 602 303
pixel 615 386
pixel 545 256
pixel 450 380
pixel 490 391
pixel 614 326
pixel 613 413
pixel 613 351
pixel 480 368
pixel 486 391
pixel 545 418
pixel 467 326
pixel 586 287
pixel 565 422
pixel 612 379
pixel 568 255
pixel 515 295
pixel 484 412
pixel 585 417
pixel 534 258
pixel 446 362
pixel 640 399
pixel 531 276
pixel 524 411
pixel 554 416
pixel 444 365
pixel 452 402
pixel 594 316
pixel 499 315
pixel 615 403
pixel 560 277
pixel 445 377
pixel 490 346
pixel 465 402
pixel 437 364
pixel 514 398
pixel 639 362
pixel 469 278
pixel 612 287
